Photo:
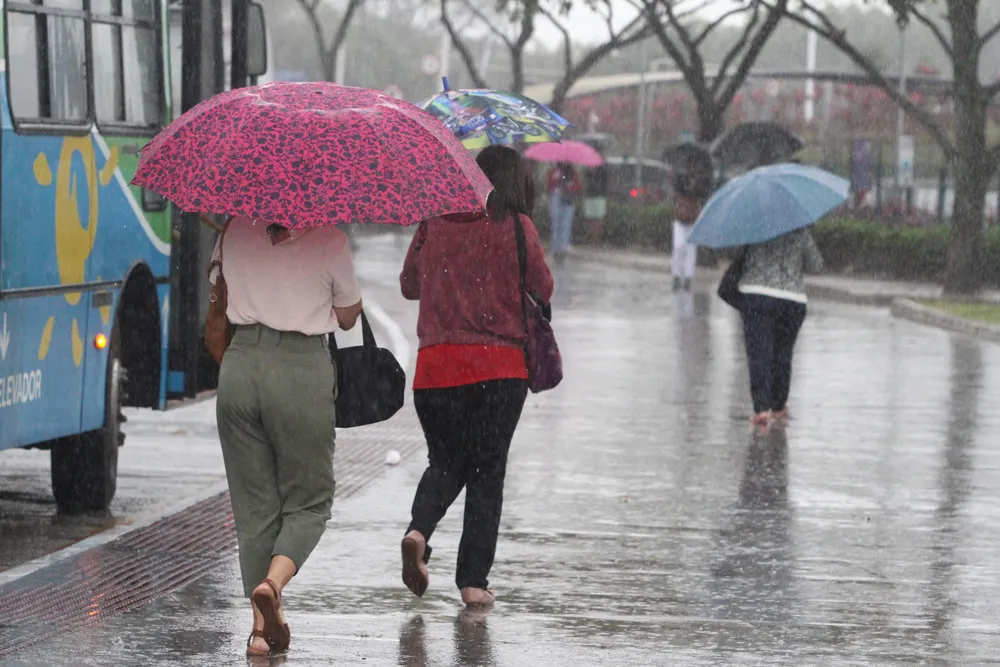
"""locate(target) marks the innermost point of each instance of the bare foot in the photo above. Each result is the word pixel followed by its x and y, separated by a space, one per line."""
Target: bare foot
pixel 415 574
pixel 761 419
pixel 478 597
pixel 782 415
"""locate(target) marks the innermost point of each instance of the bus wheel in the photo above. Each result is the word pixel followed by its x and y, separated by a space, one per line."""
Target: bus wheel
pixel 85 467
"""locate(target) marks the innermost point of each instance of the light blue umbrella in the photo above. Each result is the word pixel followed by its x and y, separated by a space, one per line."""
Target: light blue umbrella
pixel 766 203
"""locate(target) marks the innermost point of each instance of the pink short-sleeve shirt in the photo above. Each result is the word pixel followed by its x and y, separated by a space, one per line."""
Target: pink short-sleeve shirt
pixel 291 286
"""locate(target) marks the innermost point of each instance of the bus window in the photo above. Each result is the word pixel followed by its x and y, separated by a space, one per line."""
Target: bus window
pixel 22 45
pixel 67 67
pixel 143 104
pixel 126 62
pixel 140 10
pixel 109 94
pixel 48 61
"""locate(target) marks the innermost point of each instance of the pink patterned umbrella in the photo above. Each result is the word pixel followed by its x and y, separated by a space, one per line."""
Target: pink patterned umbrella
pixel 312 154
pixel 573 152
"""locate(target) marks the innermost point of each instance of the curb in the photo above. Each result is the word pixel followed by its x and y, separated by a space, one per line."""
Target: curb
pixel 827 293
pixel 908 309
pixel 813 290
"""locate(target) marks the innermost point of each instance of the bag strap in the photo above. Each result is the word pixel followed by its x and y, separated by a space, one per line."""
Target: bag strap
pixel 522 263
pixel 367 336
pixel 222 237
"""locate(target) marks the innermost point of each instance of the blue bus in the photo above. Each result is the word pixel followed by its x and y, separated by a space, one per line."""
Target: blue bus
pixel 87 261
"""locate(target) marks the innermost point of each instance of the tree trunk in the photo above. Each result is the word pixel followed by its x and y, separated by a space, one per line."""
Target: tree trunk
pixel 330 66
pixel 972 180
pixel 559 96
pixel 973 166
pixel 710 120
pixel 517 71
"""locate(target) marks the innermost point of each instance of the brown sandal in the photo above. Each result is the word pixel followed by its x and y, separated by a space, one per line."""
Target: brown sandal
pixel 277 635
pixel 256 652
pixel 415 574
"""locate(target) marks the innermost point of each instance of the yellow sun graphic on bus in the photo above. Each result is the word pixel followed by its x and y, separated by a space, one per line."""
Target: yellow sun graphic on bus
pixel 74 240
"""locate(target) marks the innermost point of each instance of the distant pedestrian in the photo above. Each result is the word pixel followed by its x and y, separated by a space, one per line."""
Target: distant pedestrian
pixel 286 290
pixel 595 205
pixel 773 307
pixel 564 189
pixel 471 377
pixel 684 262
pixel 692 185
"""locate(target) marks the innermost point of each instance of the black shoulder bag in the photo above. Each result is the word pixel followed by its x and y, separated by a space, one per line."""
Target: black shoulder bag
pixel 371 385
pixel 729 286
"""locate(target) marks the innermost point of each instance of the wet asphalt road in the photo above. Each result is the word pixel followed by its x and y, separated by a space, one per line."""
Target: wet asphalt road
pixel 645 524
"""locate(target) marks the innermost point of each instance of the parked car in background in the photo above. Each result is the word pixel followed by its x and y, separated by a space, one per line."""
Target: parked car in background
pixel 602 142
pixel 654 187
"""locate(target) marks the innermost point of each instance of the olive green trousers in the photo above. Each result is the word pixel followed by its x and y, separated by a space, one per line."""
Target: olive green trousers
pixel 275 411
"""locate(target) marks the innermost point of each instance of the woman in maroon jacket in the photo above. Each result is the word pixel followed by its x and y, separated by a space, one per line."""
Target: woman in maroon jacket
pixel 471 378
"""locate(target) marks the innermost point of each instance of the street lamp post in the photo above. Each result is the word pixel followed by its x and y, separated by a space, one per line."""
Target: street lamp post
pixel 810 105
pixel 640 121
pixel 900 114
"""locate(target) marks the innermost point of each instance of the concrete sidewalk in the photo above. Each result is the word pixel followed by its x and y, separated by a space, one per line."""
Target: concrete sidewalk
pixel 847 289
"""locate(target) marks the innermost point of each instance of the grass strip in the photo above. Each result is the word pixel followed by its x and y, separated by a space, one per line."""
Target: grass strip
pixel 981 312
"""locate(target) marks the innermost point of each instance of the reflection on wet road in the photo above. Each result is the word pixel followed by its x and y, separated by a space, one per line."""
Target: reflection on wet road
pixel 646 524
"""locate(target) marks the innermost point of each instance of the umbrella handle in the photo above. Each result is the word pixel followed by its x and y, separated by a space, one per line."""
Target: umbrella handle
pixel 444 80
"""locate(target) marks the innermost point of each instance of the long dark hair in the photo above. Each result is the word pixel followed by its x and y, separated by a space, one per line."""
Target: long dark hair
pixel 513 187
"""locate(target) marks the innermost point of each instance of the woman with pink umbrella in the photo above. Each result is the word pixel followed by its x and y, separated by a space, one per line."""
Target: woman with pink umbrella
pixel 564 185
pixel 288 162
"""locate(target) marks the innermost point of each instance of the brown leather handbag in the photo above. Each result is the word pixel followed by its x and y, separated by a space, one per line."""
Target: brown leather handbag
pixel 218 328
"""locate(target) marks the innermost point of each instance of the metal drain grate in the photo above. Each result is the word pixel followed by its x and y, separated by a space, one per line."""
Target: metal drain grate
pixel 151 562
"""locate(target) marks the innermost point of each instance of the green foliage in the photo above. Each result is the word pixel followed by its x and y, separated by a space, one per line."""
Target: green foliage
pixel 984 312
pixel 918 254
pixel 872 248
pixel 848 245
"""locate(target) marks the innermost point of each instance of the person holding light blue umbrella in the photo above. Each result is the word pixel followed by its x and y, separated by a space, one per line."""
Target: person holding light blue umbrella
pixel 766 212
pixel 766 203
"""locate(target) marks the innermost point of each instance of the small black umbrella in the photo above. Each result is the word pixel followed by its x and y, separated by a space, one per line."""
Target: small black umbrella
pixel 679 156
pixel 755 144
pixel 692 168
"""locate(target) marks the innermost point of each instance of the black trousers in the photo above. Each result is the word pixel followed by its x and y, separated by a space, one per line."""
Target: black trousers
pixel 770 327
pixel 468 431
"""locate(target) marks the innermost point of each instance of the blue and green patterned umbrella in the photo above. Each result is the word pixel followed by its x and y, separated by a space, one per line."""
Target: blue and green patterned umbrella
pixel 480 118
